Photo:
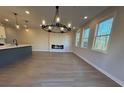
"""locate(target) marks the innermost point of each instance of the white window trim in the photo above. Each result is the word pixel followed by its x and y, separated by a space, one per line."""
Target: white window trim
pixel 99 50
pixel 84 38
pixel 78 45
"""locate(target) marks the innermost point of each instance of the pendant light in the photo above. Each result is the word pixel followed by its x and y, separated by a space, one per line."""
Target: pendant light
pixel 16 21
pixel 26 26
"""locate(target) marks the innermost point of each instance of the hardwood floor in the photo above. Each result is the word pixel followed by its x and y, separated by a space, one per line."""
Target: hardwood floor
pixel 53 70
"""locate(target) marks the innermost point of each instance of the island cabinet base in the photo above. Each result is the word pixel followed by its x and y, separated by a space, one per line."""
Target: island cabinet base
pixel 13 55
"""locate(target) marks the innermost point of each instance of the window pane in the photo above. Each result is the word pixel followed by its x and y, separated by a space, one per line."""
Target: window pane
pixel 86 32
pixel 105 27
pixel 85 43
pixel 85 37
pixel 101 42
pixel 102 35
pixel 77 39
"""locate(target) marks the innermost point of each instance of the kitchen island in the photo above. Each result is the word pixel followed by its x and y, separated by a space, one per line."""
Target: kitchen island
pixel 12 54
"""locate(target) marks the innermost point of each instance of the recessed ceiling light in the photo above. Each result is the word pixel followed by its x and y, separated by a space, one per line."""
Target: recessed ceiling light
pixel 6 20
pixel 86 17
pixel 27 12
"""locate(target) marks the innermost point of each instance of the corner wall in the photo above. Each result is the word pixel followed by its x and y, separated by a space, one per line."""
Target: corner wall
pixel 111 63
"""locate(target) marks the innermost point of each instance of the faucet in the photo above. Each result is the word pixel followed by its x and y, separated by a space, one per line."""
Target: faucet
pixel 15 42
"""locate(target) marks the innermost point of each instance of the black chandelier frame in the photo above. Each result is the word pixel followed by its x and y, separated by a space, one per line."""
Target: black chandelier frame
pixel 56 25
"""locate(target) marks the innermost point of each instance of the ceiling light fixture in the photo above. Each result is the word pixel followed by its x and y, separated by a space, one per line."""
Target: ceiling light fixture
pixel 57 20
pixel 86 17
pixel 26 30
pixel 16 21
pixel 27 12
pixel 56 26
pixel 49 27
pixel 62 29
pixel 6 20
pixel 43 22
pixel 69 24
pixel 26 26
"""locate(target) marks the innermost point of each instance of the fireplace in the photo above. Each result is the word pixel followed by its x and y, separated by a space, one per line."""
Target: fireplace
pixel 57 46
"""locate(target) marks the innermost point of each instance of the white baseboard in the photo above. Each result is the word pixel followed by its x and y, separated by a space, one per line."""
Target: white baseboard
pixel 34 50
pixel 40 50
pixel 101 70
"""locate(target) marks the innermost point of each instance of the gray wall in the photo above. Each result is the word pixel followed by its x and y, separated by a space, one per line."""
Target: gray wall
pixel 41 40
pixel 112 62
pixel 11 33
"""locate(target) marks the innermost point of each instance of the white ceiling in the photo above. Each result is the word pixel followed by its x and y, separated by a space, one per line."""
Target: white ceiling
pixel 73 14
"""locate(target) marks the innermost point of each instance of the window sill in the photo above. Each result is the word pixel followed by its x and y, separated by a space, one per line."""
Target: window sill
pixel 83 47
pixel 99 51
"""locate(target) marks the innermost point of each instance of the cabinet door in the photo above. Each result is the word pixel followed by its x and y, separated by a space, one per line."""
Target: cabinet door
pixel 2 32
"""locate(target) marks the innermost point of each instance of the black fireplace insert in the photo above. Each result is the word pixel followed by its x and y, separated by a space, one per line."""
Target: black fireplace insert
pixel 57 46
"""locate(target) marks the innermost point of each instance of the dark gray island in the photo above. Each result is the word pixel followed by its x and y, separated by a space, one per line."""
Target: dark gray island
pixel 12 54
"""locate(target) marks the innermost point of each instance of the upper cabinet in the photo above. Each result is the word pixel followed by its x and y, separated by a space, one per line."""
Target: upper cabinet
pixel 2 32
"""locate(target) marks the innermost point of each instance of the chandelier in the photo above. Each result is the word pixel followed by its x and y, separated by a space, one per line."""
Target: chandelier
pixel 56 26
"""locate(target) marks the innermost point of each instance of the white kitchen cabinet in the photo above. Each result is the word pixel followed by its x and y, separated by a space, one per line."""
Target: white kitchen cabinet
pixel 2 32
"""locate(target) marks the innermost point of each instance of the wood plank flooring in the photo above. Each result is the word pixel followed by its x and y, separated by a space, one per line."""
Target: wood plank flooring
pixel 44 69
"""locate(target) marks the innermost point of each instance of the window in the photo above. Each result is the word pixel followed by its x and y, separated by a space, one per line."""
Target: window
pixel 77 41
pixel 85 36
pixel 102 34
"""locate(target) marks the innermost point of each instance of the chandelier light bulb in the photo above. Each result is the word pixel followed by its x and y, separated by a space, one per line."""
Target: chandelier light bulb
pixel 62 29
pixel 26 30
pixel 17 26
pixel 69 25
pixel 57 19
pixel 6 20
pixel 49 27
pixel 43 22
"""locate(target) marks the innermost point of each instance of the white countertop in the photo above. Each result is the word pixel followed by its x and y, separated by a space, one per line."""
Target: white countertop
pixel 12 46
